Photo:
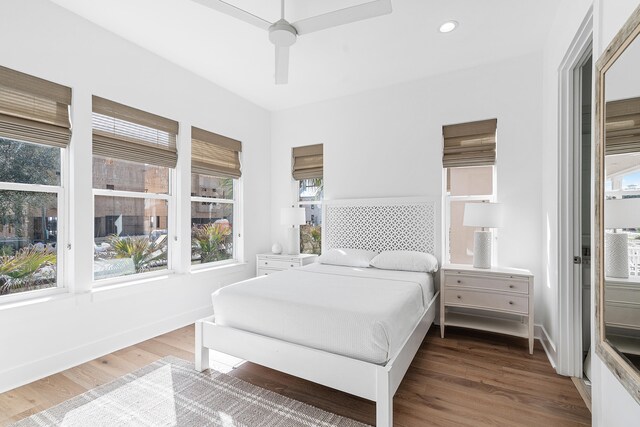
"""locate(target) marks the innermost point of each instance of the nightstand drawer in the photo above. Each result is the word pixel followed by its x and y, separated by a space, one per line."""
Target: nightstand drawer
pixel 486 300
pixel 508 284
pixel 266 271
pixel 277 264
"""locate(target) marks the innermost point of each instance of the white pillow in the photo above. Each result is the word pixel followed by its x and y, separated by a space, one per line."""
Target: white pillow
pixel 347 257
pixel 406 261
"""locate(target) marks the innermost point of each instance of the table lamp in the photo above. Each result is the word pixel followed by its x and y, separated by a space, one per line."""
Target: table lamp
pixel 293 217
pixel 485 215
pixel 619 213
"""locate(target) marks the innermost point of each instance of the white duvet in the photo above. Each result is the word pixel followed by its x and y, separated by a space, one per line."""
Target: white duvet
pixel 363 313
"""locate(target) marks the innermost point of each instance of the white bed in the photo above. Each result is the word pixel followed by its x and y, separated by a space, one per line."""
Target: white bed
pixel 361 326
pixel 363 313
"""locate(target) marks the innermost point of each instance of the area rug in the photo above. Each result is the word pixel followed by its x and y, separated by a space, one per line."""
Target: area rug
pixel 170 392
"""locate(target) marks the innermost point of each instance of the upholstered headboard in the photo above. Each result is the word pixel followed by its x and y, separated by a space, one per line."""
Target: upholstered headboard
pixel 406 223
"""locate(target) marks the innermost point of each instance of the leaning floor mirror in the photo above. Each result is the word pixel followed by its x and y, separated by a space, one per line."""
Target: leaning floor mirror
pixel 617 196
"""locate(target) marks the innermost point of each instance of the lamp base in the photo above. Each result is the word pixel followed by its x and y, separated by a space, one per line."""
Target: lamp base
pixel 482 249
pixel 616 253
pixel 294 247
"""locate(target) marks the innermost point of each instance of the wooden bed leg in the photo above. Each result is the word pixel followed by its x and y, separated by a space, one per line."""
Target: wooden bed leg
pixel 384 399
pixel 202 352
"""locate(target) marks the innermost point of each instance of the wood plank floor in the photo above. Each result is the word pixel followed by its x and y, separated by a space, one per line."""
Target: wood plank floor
pixel 467 379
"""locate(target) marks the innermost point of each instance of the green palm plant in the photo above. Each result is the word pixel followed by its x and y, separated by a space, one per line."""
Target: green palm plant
pixel 19 270
pixel 310 239
pixel 210 240
pixel 140 249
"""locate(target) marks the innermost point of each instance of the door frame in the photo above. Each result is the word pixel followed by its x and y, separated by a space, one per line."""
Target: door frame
pixel 569 346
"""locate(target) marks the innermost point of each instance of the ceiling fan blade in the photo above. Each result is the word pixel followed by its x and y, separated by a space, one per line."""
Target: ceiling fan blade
pixel 343 16
pixel 282 65
pixel 235 12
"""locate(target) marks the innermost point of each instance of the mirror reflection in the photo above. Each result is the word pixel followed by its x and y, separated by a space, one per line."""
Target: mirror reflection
pixel 622 205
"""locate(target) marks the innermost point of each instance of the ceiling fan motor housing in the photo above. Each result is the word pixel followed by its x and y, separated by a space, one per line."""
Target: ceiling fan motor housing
pixel 282 33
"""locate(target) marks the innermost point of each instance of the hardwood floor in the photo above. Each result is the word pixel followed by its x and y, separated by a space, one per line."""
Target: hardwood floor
pixel 467 379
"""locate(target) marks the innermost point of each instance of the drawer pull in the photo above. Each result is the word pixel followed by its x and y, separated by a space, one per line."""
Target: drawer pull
pixel 511 286
pixel 291 265
pixel 510 302
pixel 266 263
pixel 459 297
pixel 459 281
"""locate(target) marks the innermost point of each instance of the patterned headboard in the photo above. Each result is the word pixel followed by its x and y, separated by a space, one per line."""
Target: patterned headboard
pixel 407 223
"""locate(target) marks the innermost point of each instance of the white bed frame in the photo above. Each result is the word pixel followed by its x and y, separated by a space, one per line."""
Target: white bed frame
pixel 373 224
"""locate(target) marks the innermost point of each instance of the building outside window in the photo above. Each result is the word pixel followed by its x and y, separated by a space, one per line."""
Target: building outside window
pixel 32 145
pixel 308 165
pixel 215 167
pixel 465 185
pixel 134 155
pixel 469 177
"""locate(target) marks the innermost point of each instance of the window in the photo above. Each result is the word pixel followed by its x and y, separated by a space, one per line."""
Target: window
pixel 309 189
pixel 134 154
pixel 468 160
pixel 34 130
pixel 215 167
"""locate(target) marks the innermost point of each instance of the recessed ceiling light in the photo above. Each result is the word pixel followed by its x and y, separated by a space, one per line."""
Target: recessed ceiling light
pixel 448 26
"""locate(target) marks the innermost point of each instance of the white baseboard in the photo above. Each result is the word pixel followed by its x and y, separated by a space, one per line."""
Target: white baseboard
pixel 32 371
pixel 540 333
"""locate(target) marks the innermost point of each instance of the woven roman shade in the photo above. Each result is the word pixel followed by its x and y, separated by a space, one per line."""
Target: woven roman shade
pixel 213 154
pixel 623 126
pixel 126 133
pixel 33 109
pixel 470 144
pixel 307 162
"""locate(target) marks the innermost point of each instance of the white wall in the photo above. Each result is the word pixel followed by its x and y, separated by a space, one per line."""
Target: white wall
pixel 388 142
pixel 612 404
pixel 42 39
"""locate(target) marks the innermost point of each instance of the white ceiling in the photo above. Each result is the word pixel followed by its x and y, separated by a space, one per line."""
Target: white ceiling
pixel 402 46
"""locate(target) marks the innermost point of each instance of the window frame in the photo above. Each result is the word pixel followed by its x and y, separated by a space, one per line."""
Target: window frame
pixel 447 199
pixel 235 229
pixel 170 197
pixel 62 224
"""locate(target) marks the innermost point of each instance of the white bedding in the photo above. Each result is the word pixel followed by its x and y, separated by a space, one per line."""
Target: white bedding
pixel 363 313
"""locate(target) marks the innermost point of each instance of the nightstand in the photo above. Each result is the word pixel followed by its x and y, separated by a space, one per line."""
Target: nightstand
pixel 474 294
pixel 270 263
pixel 621 313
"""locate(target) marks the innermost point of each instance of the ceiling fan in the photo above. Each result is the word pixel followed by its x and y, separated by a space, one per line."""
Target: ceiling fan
pixel 283 34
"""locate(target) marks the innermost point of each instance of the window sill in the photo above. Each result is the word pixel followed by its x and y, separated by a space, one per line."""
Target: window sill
pixel 59 294
pixel 123 286
pixel 223 268
pixel 118 287
pixel 132 279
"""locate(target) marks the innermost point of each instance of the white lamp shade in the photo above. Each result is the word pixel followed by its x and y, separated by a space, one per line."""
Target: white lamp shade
pixel 292 216
pixel 622 213
pixel 487 215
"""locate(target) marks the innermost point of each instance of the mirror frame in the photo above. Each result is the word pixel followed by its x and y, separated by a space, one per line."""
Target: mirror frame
pixel 626 374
